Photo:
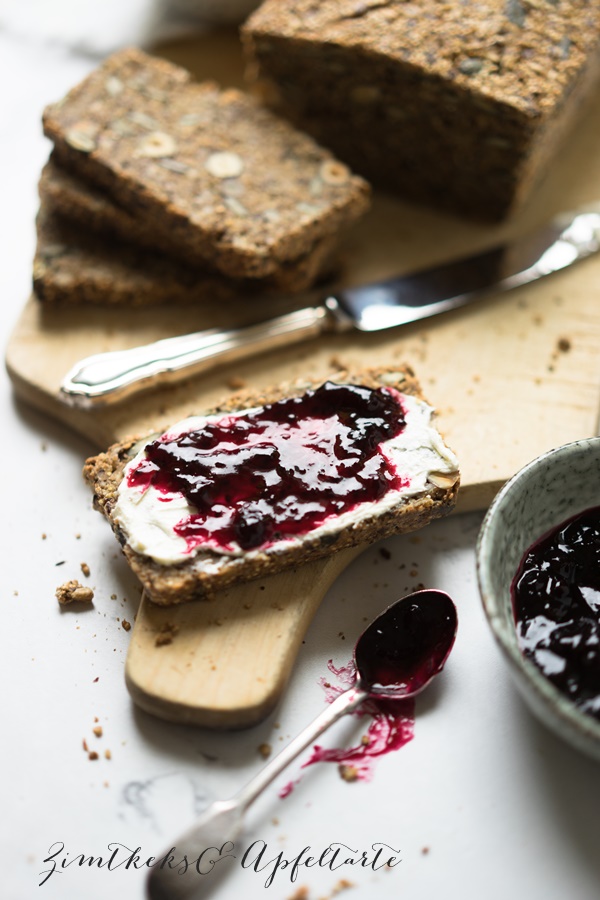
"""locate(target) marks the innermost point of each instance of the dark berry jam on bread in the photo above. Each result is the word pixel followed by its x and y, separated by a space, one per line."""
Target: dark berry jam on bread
pixel 278 470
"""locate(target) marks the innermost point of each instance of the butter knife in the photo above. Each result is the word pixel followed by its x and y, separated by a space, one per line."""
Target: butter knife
pixel 110 377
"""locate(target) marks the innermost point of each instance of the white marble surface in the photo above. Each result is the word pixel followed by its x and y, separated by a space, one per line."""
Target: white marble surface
pixel 503 808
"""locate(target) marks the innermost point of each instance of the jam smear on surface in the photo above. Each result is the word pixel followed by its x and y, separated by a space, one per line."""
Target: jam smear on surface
pixel 391 727
pixel 280 470
pixel 556 605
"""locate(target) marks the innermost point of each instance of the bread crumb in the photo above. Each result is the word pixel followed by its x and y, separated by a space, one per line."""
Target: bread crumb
pixel 85 746
pixel 73 592
pixel 113 596
pixel 348 773
pixel 385 553
pixel 563 345
pixel 425 851
pixel 78 536
pixel 125 625
pixel 97 730
pixel 107 754
pixel 300 893
pixel 342 885
pixel 85 569
pixel 93 755
pixel 44 535
pixel 235 383
pixel 265 750
pixel 166 634
pixel 161 640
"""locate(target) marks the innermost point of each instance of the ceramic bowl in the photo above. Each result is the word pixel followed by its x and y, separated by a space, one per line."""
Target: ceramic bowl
pixel 552 488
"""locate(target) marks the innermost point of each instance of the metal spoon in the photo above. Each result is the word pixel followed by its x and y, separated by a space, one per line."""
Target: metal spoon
pixel 396 657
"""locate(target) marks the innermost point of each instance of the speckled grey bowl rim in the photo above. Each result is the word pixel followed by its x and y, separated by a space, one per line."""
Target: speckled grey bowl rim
pixel 551 706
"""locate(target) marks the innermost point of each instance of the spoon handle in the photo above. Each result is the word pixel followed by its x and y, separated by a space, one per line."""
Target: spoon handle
pixel 222 822
pixel 343 704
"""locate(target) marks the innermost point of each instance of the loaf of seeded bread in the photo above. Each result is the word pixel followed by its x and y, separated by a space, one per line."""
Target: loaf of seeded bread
pixel 457 105
pixel 105 245
pixel 207 170
pixel 204 573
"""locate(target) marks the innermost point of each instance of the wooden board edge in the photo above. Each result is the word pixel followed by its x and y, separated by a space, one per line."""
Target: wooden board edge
pixel 50 405
pixel 212 715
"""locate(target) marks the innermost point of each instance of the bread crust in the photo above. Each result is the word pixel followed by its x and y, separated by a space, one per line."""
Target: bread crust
pixel 182 582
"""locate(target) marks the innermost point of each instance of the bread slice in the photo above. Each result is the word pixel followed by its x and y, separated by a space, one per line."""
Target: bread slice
pixel 112 257
pixel 75 266
pixel 200 575
pixel 227 181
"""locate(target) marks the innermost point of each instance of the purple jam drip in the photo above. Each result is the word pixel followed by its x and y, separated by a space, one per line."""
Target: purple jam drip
pixel 392 726
pixel 409 644
pixel 556 605
pixel 280 470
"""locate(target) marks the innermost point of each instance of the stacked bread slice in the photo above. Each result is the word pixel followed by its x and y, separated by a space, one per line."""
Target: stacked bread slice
pixel 163 190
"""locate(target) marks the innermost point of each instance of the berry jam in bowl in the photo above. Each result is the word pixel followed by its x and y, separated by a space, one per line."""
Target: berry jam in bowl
pixel 538 566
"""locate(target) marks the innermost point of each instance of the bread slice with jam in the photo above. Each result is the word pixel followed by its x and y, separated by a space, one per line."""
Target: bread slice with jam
pixel 274 479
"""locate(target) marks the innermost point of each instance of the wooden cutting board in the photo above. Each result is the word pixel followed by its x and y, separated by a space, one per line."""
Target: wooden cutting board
pixel 511 378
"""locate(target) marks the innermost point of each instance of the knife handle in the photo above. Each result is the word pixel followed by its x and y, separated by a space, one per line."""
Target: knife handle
pixel 110 377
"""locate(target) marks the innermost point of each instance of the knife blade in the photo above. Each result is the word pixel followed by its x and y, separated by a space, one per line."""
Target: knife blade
pixel 110 377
